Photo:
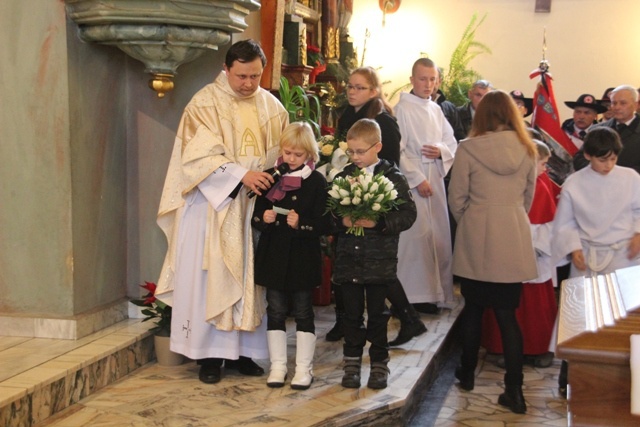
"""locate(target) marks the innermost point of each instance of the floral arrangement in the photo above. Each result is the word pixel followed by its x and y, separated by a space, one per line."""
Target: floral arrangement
pixel 155 309
pixel 362 196
pixel 333 156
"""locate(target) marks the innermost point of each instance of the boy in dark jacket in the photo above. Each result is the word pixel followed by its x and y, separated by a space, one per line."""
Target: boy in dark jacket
pixel 366 265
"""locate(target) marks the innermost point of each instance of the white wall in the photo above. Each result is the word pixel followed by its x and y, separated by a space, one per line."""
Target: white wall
pixel 591 44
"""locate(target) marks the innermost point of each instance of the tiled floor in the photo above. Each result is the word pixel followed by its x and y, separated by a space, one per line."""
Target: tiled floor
pixel 172 396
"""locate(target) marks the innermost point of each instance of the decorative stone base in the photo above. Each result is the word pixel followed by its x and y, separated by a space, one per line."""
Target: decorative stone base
pixel 34 395
pixel 70 328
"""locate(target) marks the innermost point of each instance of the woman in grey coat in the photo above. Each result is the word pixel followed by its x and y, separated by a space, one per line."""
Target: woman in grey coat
pixel 491 190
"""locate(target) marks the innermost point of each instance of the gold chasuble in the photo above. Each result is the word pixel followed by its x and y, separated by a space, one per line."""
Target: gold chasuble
pixel 219 127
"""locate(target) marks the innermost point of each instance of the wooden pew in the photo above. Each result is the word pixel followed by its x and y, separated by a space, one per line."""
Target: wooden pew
pixel 597 317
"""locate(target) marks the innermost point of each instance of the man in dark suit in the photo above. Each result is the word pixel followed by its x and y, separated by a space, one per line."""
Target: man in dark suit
pixel 475 94
pixel 625 121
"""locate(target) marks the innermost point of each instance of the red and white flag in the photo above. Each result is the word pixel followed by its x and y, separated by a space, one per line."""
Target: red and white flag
pixel 545 112
pixel 546 120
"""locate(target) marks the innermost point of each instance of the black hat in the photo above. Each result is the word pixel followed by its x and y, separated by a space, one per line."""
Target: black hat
pixel 606 96
pixel 528 102
pixel 588 101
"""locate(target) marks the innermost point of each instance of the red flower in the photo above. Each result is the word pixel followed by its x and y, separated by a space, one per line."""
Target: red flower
pixel 151 287
pixel 313 49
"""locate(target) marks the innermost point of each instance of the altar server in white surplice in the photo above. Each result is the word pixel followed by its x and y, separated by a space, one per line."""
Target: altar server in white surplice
pixel 228 134
pixel 597 223
pixel 427 151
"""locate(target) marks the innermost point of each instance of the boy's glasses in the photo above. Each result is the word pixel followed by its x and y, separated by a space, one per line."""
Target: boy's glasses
pixel 357 88
pixel 359 152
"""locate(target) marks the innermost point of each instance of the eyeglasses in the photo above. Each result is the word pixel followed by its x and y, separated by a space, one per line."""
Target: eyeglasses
pixel 357 88
pixel 359 152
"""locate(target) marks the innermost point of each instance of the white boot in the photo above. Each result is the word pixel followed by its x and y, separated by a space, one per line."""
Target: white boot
pixel 277 341
pixel 305 348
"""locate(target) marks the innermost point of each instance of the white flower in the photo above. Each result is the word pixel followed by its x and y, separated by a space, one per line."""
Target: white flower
pixel 356 200
pixel 334 193
pixel 343 145
pixel 374 187
pixel 376 207
pixel 366 197
pixel 343 192
pixel 380 197
pixel 393 194
pixel 346 201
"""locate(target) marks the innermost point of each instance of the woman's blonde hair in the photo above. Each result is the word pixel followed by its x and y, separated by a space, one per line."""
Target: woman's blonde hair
pixel 498 112
pixel 379 104
pixel 300 135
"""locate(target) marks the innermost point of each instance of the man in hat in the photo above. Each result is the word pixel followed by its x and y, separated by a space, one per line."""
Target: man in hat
pixel 606 102
pixel 585 113
pixel 525 105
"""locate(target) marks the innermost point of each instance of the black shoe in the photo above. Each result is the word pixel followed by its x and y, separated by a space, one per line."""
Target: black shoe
pixel 513 399
pixel 245 366
pixel 209 374
pixel 336 333
pixel 378 376
pixel 426 308
pixel 351 380
pixel 563 391
pixel 408 331
pixel 467 380
pixel 544 360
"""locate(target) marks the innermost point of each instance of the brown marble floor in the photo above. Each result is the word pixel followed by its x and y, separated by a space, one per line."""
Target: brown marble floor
pixel 155 395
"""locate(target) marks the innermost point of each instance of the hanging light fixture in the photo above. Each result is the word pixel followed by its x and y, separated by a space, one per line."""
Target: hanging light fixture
pixel 388 6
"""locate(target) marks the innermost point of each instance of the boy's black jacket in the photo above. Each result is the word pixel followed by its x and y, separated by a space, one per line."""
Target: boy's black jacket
pixel 373 258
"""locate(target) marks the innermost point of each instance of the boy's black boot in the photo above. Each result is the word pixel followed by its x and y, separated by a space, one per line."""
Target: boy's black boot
pixel 512 397
pixel 378 376
pixel 351 377
pixel 410 326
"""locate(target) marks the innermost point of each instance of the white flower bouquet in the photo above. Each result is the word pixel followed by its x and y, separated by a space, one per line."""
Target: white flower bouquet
pixel 362 196
pixel 333 157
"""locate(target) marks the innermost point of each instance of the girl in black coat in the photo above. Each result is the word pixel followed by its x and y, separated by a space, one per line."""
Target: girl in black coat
pixel 290 218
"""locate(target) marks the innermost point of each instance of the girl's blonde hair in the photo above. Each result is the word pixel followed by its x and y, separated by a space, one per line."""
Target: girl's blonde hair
pixel 300 135
pixel 496 112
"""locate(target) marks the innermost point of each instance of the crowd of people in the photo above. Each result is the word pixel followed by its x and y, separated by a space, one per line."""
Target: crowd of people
pixel 237 265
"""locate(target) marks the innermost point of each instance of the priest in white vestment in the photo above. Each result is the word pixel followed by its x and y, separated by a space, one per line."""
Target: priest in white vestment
pixel 229 132
pixel 427 151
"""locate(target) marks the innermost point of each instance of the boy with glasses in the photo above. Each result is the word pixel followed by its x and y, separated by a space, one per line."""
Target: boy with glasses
pixel 365 266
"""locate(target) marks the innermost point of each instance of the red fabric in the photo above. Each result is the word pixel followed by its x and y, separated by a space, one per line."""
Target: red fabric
pixel 538 308
pixel 545 112
pixel 536 317
pixel 543 207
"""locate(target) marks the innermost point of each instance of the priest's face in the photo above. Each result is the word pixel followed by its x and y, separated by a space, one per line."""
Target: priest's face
pixel 244 77
pixel 623 106
pixel 424 81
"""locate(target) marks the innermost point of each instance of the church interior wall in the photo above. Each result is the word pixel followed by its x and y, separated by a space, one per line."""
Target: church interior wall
pixel 86 143
pixel 591 44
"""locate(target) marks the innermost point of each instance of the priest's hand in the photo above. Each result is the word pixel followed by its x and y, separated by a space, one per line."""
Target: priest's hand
pixel 634 246
pixel 577 257
pixel 257 181
pixel 424 189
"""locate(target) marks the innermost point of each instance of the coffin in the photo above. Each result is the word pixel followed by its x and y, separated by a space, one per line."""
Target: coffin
pixel 597 316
